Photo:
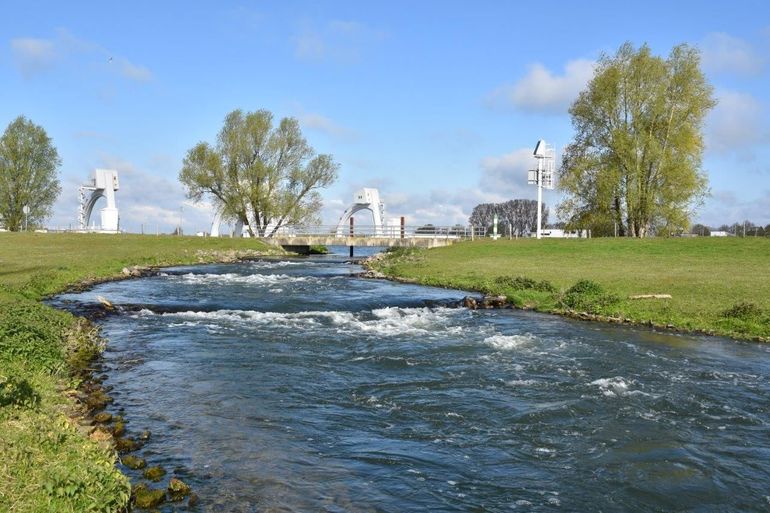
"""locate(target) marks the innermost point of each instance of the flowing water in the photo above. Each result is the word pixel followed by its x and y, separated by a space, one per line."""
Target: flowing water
pixel 295 386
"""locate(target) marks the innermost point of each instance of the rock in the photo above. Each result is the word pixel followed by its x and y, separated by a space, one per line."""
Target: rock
pixel 105 303
pixel 97 400
pixel 145 497
pixel 100 435
pixel 177 489
pixel 134 462
pixel 123 445
pixel 154 473
pixel 119 428
pixel 126 271
pixel 193 500
pixel 145 435
pixel 494 302
pixel 103 417
pixel 470 303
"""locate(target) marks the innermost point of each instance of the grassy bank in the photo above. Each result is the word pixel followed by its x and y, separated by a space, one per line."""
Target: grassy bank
pixel 48 462
pixel 717 285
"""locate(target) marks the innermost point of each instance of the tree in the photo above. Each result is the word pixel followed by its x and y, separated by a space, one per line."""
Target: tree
pixel 635 162
pixel 261 175
pixel 700 229
pixel 519 214
pixel 28 174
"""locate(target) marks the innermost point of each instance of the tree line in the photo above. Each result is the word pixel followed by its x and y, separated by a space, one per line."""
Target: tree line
pixel 744 229
pixel 517 215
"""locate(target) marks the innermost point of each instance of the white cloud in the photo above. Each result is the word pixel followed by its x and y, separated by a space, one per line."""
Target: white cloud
pixel 506 175
pixel 33 55
pixel 727 207
pixel 325 125
pixel 336 41
pixel 541 91
pixel 737 124
pixel 132 71
pixel 37 55
pixel 723 53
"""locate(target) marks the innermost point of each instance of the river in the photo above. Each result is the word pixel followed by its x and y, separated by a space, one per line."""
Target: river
pixel 296 386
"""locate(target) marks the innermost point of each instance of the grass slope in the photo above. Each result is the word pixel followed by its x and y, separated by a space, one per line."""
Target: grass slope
pixel 47 463
pixel 718 285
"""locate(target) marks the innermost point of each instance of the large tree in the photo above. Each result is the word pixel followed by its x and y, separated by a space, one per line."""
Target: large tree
pixel 635 162
pixel 261 175
pixel 28 174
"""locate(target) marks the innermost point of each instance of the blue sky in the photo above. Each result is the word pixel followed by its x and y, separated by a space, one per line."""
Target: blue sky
pixel 438 104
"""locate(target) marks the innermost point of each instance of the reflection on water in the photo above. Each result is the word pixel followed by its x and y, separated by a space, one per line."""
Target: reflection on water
pixel 294 386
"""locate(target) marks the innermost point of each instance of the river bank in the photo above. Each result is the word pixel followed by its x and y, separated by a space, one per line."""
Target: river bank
pixel 706 286
pixel 54 453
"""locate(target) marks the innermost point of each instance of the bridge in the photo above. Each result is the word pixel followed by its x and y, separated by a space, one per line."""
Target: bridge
pixel 300 239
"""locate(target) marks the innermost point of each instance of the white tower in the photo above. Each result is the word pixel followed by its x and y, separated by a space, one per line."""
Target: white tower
pixel 104 184
pixel 365 199
pixel 542 176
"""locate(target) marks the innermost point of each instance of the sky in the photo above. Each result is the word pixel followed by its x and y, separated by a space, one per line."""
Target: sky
pixel 438 104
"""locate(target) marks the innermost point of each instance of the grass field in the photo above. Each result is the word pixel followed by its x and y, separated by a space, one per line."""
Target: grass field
pixel 47 461
pixel 719 285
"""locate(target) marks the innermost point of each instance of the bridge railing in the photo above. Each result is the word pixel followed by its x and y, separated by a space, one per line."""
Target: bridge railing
pixel 388 232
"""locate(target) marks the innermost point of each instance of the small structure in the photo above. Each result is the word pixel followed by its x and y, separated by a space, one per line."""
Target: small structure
pixel 365 199
pixel 718 233
pixel 103 184
pixel 557 233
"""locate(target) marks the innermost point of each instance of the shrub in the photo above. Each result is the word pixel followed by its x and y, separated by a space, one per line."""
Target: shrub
pixel 588 296
pixel 32 333
pixel 17 392
pixel 744 311
pixel 524 283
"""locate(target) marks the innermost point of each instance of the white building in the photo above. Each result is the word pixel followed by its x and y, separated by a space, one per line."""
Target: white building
pixel 554 233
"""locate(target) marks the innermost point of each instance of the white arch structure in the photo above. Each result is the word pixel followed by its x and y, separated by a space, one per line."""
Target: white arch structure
pixel 365 199
pixel 104 184
pixel 216 223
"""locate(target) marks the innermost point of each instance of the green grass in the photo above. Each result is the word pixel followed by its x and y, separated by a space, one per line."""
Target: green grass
pixel 47 463
pixel 708 278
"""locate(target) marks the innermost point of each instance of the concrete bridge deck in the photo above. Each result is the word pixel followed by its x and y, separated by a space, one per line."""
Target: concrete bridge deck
pixel 300 238
pixel 302 243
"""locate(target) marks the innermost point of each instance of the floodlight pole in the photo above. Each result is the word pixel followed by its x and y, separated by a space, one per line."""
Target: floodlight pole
pixel 537 176
pixel 539 195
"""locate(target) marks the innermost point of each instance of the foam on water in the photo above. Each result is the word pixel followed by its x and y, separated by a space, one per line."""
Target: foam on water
pixel 383 322
pixel 508 342
pixel 616 387
pixel 253 279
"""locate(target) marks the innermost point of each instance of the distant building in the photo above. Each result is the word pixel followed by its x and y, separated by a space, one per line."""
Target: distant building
pixel 716 233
